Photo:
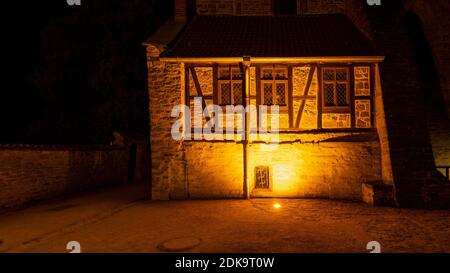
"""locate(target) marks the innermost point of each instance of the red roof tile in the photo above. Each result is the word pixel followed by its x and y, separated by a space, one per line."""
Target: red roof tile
pixel 319 35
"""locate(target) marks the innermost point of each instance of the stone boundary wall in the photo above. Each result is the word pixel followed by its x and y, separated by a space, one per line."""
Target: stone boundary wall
pixel 36 172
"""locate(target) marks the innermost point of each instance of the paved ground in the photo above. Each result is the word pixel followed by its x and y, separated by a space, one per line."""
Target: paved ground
pixel 120 220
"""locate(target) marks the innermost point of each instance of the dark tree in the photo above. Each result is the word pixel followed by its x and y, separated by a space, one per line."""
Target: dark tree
pixel 77 73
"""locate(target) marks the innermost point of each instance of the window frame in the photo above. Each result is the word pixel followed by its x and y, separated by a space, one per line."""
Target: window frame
pixel 231 81
pixel 274 81
pixel 336 108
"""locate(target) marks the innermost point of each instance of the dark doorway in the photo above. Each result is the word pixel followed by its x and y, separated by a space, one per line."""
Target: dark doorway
pixel 132 162
pixel 285 7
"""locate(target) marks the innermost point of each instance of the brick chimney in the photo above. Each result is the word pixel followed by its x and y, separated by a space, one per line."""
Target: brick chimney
pixel 180 10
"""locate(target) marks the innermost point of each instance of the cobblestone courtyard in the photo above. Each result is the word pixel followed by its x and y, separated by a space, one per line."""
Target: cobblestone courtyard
pixel 120 220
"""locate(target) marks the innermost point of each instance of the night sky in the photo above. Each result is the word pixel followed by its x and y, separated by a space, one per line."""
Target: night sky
pixel 75 74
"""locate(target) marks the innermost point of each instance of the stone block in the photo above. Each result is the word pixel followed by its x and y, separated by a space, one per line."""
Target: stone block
pixel 377 193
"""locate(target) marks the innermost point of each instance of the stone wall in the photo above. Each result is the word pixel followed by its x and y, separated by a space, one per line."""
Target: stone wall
pixel 30 173
pixel 165 85
pixel 380 120
pixel 326 6
pixel 326 165
pixel 234 7
pixel 353 9
pixel 214 169
pixel 435 19
pixel 405 131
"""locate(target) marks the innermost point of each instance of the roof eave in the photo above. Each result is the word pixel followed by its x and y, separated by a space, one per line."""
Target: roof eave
pixel 331 59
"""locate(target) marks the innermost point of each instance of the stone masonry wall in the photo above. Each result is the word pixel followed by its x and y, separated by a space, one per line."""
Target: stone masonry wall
pixel 30 173
pixel 326 165
pixel 165 82
pixel 234 7
pixel 321 165
pixel 326 6
pixel 435 19
pixel 380 120
pixel 353 9
pixel 214 169
pixel 406 132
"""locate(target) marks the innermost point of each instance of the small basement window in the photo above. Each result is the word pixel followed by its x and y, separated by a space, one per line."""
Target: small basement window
pixel 262 178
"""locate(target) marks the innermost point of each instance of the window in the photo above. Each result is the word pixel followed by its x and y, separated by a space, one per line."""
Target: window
pixel 336 89
pixel 285 7
pixel 274 85
pixel 262 179
pixel 230 85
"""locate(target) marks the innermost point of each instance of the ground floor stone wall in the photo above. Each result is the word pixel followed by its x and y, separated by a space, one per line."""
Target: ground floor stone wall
pixel 214 169
pixel 327 165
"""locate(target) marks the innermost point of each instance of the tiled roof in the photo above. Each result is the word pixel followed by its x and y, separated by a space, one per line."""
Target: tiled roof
pixel 319 35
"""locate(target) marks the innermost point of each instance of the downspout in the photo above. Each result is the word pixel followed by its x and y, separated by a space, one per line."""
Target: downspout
pixel 246 63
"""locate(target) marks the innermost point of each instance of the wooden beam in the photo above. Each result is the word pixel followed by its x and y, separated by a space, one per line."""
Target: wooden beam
pixel 187 87
pixel 305 94
pixel 265 60
pixel 204 97
pixel 352 96
pixel 215 84
pixel 304 97
pixel 258 93
pixel 244 84
pixel 199 89
pixel 373 109
pixel 290 99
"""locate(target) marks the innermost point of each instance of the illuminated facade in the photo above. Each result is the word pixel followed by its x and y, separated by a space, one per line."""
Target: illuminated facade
pixel 319 69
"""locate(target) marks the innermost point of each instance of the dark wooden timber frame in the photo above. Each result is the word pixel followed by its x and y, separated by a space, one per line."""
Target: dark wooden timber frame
pixel 288 82
pixel 336 109
pixel 295 115
pixel 231 80
pixel 290 97
pixel 319 97
pixel 305 96
pixel 351 110
pixel 371 96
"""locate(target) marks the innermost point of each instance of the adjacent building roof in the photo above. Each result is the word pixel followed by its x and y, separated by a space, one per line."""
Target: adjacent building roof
pixel 318 35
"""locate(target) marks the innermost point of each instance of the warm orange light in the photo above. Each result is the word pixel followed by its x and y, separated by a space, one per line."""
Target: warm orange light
pixel 276 205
